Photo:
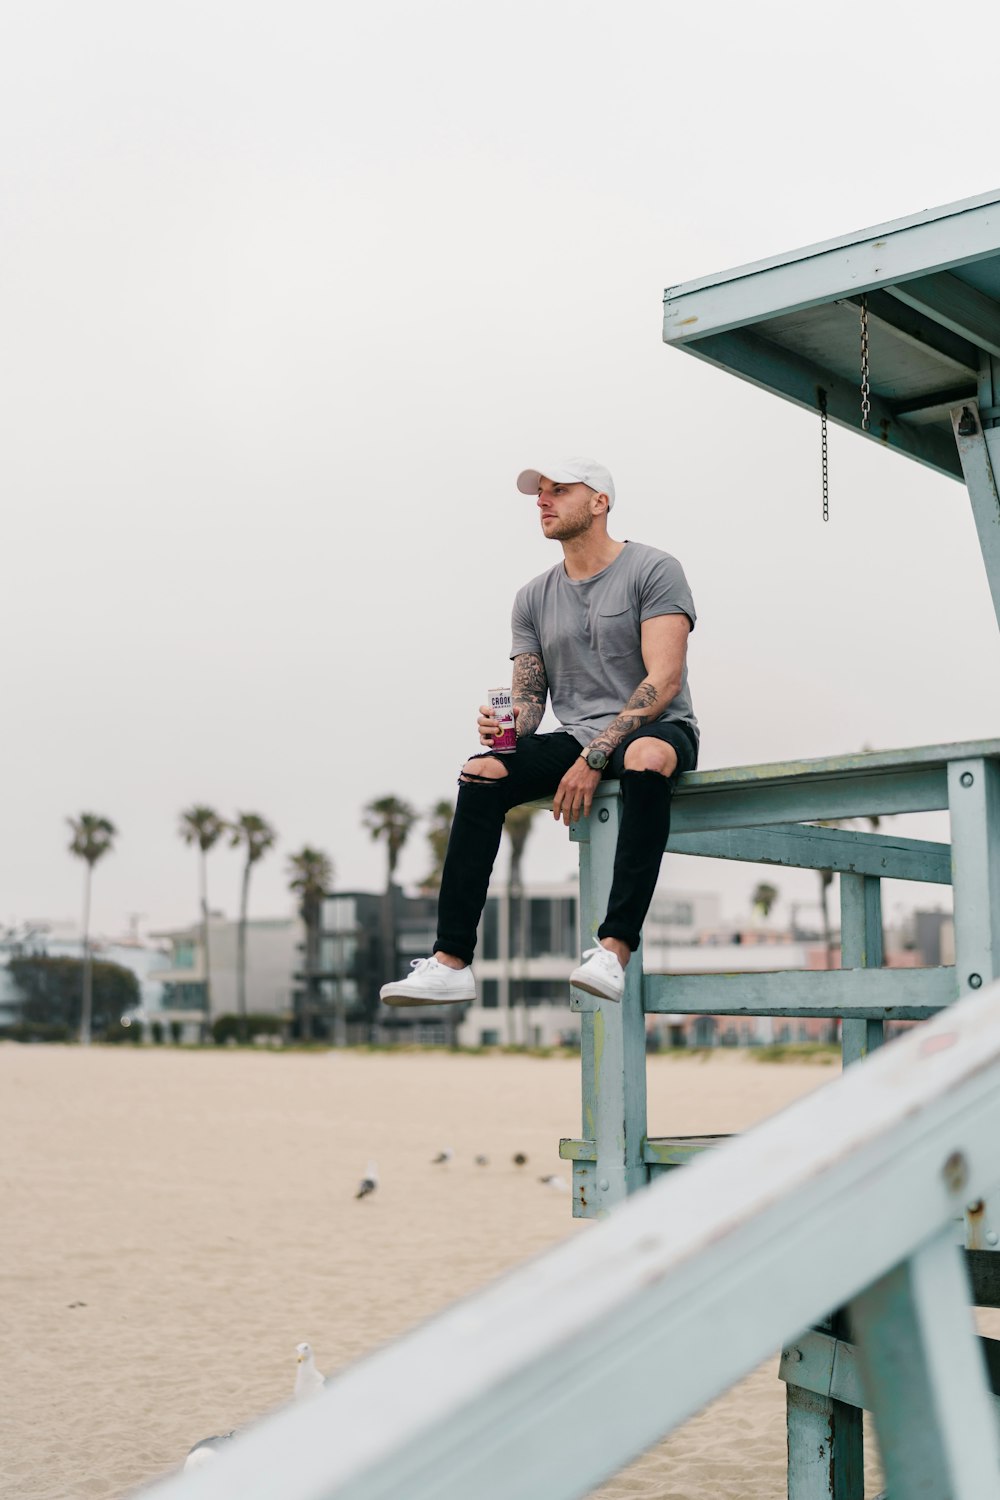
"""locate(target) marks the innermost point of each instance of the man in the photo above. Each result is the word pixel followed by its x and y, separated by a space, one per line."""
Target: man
pixel 604 633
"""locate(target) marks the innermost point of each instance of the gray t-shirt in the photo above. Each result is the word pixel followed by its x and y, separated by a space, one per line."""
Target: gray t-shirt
pixel 586 631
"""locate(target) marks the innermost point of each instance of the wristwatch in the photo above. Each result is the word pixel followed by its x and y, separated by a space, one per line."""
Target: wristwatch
pixel 596 759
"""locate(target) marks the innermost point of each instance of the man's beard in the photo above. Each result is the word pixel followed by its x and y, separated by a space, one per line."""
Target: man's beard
pixel 571 527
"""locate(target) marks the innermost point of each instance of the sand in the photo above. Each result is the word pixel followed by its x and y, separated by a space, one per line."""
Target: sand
pixel 175 1221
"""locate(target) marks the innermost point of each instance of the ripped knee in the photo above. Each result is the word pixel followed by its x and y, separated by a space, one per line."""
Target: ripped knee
pixel 648 754
pixel 484 767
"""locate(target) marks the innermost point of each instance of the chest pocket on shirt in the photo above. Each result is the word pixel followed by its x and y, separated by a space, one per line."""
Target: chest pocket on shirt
pixel 618 634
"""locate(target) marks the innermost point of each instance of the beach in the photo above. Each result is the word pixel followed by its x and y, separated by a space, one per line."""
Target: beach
pixel 176 1221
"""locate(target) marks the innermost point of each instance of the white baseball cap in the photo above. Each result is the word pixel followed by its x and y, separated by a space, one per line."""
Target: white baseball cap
pixel 570 471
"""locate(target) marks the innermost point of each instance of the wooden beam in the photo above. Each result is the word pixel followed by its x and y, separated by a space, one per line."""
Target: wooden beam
pixel 864 261
pixel 782 373
pixel 803 847
pixel 961 308
pixel 705 806
pixel 876 994
pixel 911 327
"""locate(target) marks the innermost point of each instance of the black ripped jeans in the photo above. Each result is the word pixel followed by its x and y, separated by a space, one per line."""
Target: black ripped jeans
pixel 534 772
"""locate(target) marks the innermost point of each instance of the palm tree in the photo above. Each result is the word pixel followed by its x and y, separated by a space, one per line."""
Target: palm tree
pixel 92 837
pixel 389 818
pixel 439 820
pixel 255 836
pixel 763 898
pixel 204 827
pixel 517 825
pixel 311 874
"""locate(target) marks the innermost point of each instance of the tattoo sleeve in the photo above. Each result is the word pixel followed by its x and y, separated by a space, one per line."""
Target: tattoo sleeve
pixel 530 689
pixel 645 704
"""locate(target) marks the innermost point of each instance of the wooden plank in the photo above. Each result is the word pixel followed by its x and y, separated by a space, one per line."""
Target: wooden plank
pixel 979 455
pixel 911 327
pixel 806 1209
pixel 876 994
pixel 677 1151
pixel 975 822
pixel 961 308
pixel 828 1366
pixel 806 848
pixel 923 1370
pixel 864 761
pixel 704 806
pixel 783 373
pixel 941 239
pixel 614 1045
pixel 671 1151
pixel 860 948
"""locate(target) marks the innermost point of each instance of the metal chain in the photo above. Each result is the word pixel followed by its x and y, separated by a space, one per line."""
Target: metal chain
pixel 823 449
pixel 866 406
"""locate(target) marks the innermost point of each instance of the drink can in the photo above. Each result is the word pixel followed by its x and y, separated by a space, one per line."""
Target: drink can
pixel 503 710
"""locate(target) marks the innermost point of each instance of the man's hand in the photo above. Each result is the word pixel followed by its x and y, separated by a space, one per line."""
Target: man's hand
pixel 575 793
pixel 489 725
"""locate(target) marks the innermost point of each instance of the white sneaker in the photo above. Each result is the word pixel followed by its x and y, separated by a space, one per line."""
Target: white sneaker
pixel 600 974
pixel 431 983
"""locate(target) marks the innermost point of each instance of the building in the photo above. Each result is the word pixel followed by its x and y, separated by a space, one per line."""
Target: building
pixel 273 957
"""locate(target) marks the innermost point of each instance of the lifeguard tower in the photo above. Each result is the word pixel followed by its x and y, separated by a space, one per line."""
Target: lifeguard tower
pixel 894 333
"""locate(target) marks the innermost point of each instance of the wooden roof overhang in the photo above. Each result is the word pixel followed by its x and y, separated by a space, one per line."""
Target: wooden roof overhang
pixel 791 325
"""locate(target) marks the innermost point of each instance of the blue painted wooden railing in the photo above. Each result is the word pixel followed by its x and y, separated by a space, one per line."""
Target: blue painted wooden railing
pixel 764 814
pixel 550 1380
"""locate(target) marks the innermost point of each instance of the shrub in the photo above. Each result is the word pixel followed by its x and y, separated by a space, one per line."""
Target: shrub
pixel 229 1028
pixel 36 1031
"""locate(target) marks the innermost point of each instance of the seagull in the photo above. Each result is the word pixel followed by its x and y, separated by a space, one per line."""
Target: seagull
pixel 369 1181
pixel 520 1159
pixel 207 1450
pixel 308 1380
pixel 443 1157
pixel 482 1161
pixel 553 1181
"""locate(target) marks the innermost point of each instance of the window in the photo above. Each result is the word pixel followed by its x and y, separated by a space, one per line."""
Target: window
pixel 184 955
pixel 489 1039
pixel 491 934
pixel 490 991
pixel 340 914
pixel 540 927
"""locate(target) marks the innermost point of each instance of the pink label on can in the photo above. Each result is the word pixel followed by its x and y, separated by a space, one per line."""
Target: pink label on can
pixel 503 710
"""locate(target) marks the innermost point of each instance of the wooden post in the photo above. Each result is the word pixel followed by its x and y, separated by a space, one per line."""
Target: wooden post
pixel 979 452
pixel 974 802
pixel 613 1035
pixel 924 1378
pixel 860 948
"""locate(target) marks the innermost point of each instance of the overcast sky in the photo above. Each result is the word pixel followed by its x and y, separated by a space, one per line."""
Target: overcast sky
pixel 289 294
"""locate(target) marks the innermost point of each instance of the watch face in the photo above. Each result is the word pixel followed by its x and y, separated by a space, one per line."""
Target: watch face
pixel 596 760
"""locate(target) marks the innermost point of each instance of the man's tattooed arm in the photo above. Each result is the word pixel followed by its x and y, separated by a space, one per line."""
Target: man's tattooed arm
pixel 530 687
pixel 645 704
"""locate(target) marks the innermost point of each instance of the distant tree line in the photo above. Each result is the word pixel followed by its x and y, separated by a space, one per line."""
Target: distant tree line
pixel 83 997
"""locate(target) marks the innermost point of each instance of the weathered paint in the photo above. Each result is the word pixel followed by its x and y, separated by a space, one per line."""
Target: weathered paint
pixel 598 1053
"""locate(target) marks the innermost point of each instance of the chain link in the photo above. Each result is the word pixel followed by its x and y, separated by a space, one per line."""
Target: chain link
pixel 866 405
pixel 823 449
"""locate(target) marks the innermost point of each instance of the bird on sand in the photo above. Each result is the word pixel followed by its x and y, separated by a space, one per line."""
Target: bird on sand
pixel 520 1159
pixel 554 1181
pixel 207 1450
pixel 482 1161
pixel 308 1380
pixel 443 1157
pixel 369 1181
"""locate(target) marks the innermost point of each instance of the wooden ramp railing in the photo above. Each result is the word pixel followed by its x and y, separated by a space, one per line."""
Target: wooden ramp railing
pixel 546 1383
